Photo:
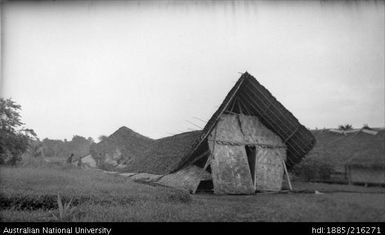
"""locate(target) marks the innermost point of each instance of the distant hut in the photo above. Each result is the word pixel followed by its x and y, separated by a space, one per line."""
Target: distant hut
pixel 85 162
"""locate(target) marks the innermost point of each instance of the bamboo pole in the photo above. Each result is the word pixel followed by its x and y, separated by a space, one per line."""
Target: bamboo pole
pixel 269 122
pixel 209 158
pixel 194 124
pixel 287 175
pixel 270 104
pixel 207 152
pixel 203 137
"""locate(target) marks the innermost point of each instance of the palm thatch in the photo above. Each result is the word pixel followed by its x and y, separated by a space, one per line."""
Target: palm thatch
pixel 142 154
pixel 124 142
pixel 172 153
pixel 249 97
pixel 164 154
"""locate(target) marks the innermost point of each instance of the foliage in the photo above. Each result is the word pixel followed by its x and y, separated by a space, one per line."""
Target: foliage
pixel 313 169
pixel 79 146
pixel 14 137
pixel 345 127
pixel 102 137
pixel 10 116
pixel 91 140
pixel 66 212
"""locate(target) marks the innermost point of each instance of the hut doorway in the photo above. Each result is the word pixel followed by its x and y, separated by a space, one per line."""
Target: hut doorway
pixel 230 170
pixel 251 153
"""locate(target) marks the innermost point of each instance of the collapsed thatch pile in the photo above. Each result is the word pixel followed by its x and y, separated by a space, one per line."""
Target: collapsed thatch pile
pixel 164 154
pixel 356 148
pixel 141 154
pixel 170 154
pixel 122 147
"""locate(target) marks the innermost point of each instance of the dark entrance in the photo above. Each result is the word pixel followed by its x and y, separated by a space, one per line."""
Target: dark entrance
pixel 251 153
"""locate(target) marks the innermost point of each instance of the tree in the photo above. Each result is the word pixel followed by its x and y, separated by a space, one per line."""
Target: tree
pixel 102 137
pixel 14 137
pixel 90 140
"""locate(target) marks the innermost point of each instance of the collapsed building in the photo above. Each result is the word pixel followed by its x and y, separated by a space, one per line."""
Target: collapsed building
pixel 244 147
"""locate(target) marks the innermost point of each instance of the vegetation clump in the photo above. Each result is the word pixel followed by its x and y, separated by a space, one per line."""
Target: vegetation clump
pixel 15 138
pixel 345 127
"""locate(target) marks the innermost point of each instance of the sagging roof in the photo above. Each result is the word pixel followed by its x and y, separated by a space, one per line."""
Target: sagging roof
pixel 144 155
pixel 164 154
pixel 249 97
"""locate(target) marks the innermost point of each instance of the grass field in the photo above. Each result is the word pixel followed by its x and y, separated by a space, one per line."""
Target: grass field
pixel 29 194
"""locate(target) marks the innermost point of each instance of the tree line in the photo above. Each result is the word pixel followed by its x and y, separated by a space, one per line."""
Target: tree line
pixel 16 139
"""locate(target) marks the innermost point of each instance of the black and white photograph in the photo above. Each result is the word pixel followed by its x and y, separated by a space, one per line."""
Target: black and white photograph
pixel 192 111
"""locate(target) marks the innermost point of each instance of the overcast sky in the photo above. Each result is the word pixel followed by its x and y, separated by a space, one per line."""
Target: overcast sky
pixel 91 67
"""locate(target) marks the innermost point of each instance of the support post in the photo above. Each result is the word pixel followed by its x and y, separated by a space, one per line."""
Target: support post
pixel 287 175
pixel 208 161
pixel 255 167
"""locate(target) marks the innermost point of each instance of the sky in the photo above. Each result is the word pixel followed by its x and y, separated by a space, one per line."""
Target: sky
pixel 164 67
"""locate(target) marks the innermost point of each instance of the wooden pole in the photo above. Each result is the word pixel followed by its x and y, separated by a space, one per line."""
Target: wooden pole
pixel 233 103
pixel 194 124
pixel 287 175
pixel 208 161
pixel 239 107
pixel 255 167
pixel 224 107
pixel 207 152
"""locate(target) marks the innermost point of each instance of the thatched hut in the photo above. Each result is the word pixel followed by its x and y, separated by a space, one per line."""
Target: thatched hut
pixel 244 146
pixel 84 162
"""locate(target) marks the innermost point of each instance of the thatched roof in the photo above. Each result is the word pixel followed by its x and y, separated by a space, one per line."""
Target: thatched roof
pixel 358 149
pixel 130 143
pixel 145 155
pixel 164 154
pixel 169 154
pixel 248 96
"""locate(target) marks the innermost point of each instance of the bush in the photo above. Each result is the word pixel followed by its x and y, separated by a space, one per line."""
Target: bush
pixel 345 127
pixel 313 169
